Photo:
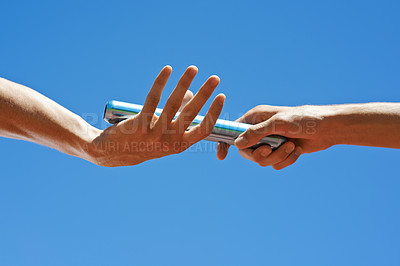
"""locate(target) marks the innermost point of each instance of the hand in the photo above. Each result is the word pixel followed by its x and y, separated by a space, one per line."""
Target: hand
pixel 146 136
pixel 302 126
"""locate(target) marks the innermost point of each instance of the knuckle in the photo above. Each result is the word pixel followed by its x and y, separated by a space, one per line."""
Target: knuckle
pixel 250 131
pixel 256 129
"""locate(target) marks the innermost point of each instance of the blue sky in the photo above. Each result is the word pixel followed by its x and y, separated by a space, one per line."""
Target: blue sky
pixel 336 207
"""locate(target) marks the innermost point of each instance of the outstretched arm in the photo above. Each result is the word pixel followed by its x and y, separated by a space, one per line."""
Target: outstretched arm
pixel 314 128
pixel 28 115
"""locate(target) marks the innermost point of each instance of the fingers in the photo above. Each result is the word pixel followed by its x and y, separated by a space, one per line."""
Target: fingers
pixel 188 96
pixel 280 158
pixel 204 129
pixel 247 154
pixel 284 156
pixel 175 99
pixel 278 155
pixel 292 158
pixel 222 150
pixel 154 95
pixel 194 106
pixel 261 153
pixel 256 132
pixel 257 154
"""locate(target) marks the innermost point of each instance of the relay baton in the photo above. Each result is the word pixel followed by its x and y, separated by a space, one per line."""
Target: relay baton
pixel 224 130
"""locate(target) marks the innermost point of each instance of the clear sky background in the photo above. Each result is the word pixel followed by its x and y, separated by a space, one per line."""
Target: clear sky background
pixel 336 207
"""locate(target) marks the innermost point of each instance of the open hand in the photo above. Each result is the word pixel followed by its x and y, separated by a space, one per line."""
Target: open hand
pixel 146 136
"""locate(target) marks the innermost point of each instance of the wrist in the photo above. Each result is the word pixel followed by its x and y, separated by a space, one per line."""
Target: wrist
pixel 89 150
pixel 319 123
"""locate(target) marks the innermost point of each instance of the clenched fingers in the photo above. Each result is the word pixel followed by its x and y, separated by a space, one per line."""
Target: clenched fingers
pixel 277 156
pixel 291 159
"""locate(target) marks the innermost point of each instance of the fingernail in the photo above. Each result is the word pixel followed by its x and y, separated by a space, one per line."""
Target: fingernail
pixel 241 141
pixel 289 148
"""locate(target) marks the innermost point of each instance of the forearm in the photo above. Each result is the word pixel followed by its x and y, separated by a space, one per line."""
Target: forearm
pixel 369 124
pixel 28 115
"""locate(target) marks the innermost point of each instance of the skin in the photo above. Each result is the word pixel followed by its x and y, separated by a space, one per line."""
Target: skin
pixel 28 115
pixel 315 128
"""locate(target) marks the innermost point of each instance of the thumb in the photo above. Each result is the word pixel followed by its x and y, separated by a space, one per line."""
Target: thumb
pixel 258 131
pixel 257 115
